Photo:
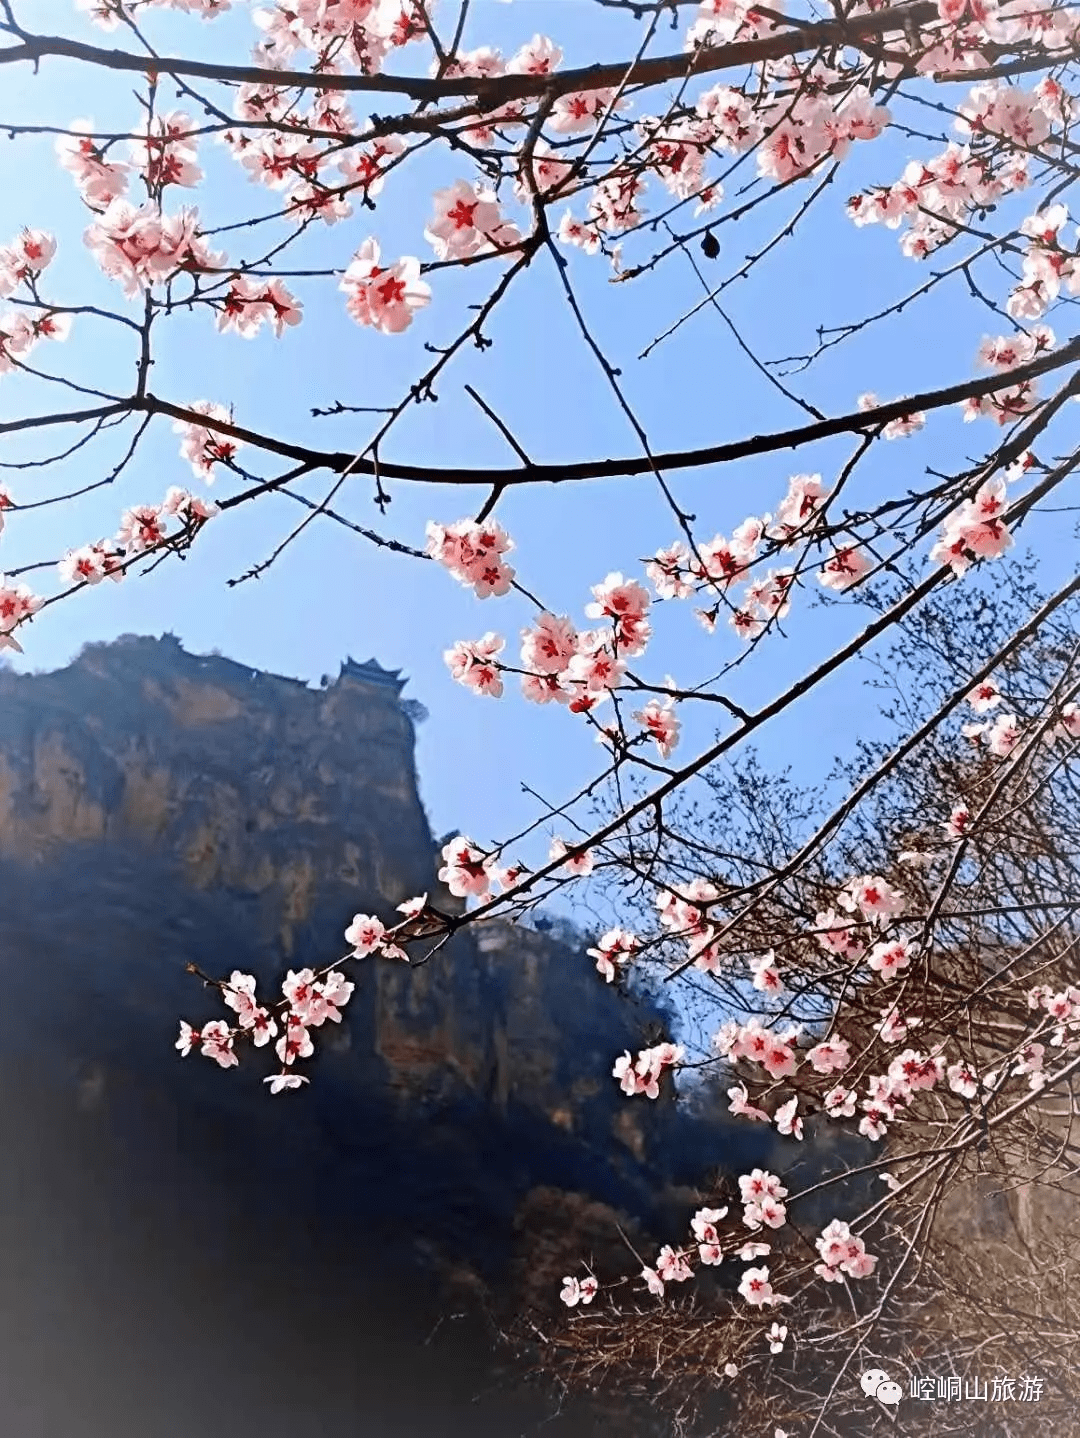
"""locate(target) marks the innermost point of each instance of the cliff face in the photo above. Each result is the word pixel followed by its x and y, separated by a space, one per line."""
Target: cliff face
pixel 158 808
pixel 252 784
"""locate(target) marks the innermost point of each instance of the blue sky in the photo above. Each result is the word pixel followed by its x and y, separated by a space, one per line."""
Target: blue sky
pixel 333 594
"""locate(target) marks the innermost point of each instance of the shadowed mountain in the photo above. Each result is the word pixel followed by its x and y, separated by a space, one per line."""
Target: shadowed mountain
pixel 178 1245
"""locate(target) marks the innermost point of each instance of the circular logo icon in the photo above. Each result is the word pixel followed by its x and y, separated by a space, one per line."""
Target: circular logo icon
pixel 872 1380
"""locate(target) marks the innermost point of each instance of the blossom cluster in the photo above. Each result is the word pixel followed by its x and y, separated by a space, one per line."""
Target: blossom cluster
pixel 203 447
pixel 25 259
pixel 935 198
pixel 791 137
pixel 142 247
pixel 642 1075
pixel 143 528
pixel 560 663
pixel 310 1003
pixel 473 553
pixel 20 332
pixel 383 297
pixel 17 602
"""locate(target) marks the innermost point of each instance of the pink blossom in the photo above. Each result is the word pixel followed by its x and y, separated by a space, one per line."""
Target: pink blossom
pixel 166 152
pixel 765 974
pixel 239 995
pixel 741 1106
pixel 89 565
pixel 1029 1060
pixel 963 1080
pixel 295 1042
pixel 580 864
pixel 683 907
pixel 765 1210
pixel 17 603
pixel 796 511
pixel 538 56
pixel 841 1249
pixel 625 603
pixel 846 567
pixel 893 1027
pixel 463 872
pixel 654 1281
pixel 471 663
pixel 505 875
pixel 188 1038
pixel 575 1291
pixel 191 510
pixel 670 572
pixel 642 1076
pixel 786 1120
pixel 779 1059
pixel 279 1082
pixel 976 530
pixel 141 528
pixel 582 109
pixel 249 305
pixel 299 989
pixel 467 222
pixel 547 172
pixel 473 554
pixel 585 235
pixel 1003 735
pixel 672 1267
pixel 746 625
pixel 550 645
pixel 756 1288
pixel 30 253
pixel 624 1072
pixel 874 1122
pixel 830 1056
pixel 203 447
pixel 217 1043
pixel 888 958
pixel 956 824
pixel 661 722
pixel 328 998
pixel 1067 726
pixel 873 898
pixel 142 247
pixel 383 297
pixel 703 1224
pixel 900 428
pixel 912 1071
pixel 837 935
pixel 759 1183
pixel 100 180
pixel 840 1102
pixel 595 668
pixel 364 935
pixel 282 307
pixel 613 950
pixel 17 337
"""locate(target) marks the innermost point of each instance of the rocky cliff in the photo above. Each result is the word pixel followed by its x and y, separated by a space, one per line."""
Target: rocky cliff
pixel 157 808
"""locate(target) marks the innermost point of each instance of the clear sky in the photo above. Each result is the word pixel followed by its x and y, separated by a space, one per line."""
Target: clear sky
pixel 333 594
